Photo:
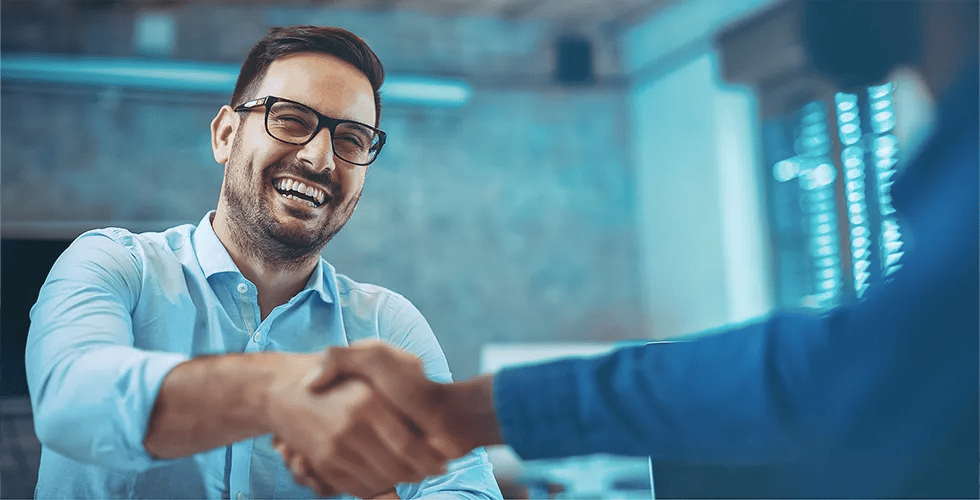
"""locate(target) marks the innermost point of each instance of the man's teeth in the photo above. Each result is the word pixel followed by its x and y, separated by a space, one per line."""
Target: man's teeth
pixel 287 187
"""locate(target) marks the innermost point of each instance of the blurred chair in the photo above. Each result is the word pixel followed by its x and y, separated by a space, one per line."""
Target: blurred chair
pixel 20 451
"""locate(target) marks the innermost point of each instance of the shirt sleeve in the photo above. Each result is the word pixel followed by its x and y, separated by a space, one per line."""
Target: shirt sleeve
pixel 91 390
pixel 470 476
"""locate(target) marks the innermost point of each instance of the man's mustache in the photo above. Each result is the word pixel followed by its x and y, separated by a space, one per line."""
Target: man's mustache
pixel 302 172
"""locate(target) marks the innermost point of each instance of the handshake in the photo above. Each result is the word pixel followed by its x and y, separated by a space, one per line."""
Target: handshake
pixel 367 417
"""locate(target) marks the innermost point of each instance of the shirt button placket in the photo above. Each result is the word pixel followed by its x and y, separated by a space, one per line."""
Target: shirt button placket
pixel 248 308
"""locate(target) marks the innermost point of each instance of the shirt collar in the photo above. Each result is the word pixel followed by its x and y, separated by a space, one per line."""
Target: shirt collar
pixel 211 253
pixel 319 281
pixel 214 259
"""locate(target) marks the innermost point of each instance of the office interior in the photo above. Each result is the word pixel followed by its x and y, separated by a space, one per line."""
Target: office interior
pixel 560 177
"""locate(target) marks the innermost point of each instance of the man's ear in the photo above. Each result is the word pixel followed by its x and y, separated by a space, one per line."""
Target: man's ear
pixel 223 130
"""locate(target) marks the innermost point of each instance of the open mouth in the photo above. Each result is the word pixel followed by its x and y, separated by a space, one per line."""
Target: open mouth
pixel 296 190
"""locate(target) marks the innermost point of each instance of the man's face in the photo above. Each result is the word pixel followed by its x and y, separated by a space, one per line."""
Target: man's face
pixel 263 174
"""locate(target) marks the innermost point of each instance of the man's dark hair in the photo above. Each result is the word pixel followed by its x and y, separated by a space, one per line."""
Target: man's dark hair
pixel 281 42
pixel 857 42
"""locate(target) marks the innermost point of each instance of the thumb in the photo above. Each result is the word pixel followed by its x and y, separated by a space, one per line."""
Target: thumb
pixel 330 370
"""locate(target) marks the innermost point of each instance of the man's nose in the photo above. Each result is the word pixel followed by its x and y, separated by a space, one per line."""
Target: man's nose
pixel 319 152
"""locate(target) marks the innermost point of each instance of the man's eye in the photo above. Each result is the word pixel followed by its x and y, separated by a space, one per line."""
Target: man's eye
pixel 293 120
pixel 350 140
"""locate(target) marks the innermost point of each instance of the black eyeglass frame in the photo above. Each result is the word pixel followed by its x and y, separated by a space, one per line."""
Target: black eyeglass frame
pixel 323 121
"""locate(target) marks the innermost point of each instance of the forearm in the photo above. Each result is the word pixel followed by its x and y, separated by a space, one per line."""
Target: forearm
pixel 92 404
pixel 214 401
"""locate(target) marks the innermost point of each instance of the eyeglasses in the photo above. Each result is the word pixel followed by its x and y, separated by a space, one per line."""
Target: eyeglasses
pixel 294 123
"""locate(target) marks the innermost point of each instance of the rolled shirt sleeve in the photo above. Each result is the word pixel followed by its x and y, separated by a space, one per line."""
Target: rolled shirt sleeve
pixel 91 389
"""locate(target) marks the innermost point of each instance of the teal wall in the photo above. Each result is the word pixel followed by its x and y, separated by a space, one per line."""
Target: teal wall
pixel 508 219
pixel 701 226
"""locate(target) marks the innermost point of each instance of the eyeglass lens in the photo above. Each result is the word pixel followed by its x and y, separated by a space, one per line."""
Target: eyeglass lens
pixel 294 123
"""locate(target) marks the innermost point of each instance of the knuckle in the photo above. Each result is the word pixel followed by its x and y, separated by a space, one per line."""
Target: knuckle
pixel 324 453
pixel 416 362
pixel 362 396
pixel 374 352
pixel 437 396
pixel 407 445
pixel 332 353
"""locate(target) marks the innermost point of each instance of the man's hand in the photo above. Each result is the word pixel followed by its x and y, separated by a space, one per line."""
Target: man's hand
pixel 452 418
pixel 347 439
pixel 300 468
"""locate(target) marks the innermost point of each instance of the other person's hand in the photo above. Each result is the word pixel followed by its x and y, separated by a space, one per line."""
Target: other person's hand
pixel 440 411
pixel 345 438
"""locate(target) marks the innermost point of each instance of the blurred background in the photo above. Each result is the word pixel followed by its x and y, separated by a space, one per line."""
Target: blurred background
pixel 560 175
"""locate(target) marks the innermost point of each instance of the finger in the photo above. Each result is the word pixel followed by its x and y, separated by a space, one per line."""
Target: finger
pixel 339 480
pixel 390 494
pixel 357 464
pixel 400 377
pixel 352 459
pixel 377 449
pixel 362 462
pixel 337 362
pixel 393 450
pixel 302 474
pixel 329 371
pixel 280 446
pixel 408 456
pixel 410 446
pixel 299 468
pixel 395 373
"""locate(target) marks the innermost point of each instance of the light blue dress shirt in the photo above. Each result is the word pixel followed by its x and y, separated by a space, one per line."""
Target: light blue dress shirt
pixel 119 310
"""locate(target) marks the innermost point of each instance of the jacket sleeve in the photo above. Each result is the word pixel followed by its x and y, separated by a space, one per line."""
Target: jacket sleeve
pixel 888 376
pixel 91 390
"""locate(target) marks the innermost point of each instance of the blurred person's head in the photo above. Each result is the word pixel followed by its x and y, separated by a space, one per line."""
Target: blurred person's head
pixel 857 43
pixel 295 144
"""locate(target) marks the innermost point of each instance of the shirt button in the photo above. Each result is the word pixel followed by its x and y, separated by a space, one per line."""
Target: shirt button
pixel 240 495
pixel 242 288
pixel 257 337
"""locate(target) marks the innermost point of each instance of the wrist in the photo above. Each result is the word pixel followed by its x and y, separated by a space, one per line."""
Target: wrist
pixel 273 370
pixel 470 415
pixel 283 381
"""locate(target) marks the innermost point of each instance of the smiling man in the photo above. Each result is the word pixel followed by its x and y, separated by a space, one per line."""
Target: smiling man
pixel 160 364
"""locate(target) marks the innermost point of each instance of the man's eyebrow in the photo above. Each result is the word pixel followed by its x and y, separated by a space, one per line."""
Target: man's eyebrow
pixel 297 105
pixel 366 128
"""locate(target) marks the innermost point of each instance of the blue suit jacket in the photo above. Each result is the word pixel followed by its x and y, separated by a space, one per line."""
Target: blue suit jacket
pixel 875 399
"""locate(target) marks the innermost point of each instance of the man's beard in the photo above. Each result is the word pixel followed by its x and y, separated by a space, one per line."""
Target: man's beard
pixel 255 229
